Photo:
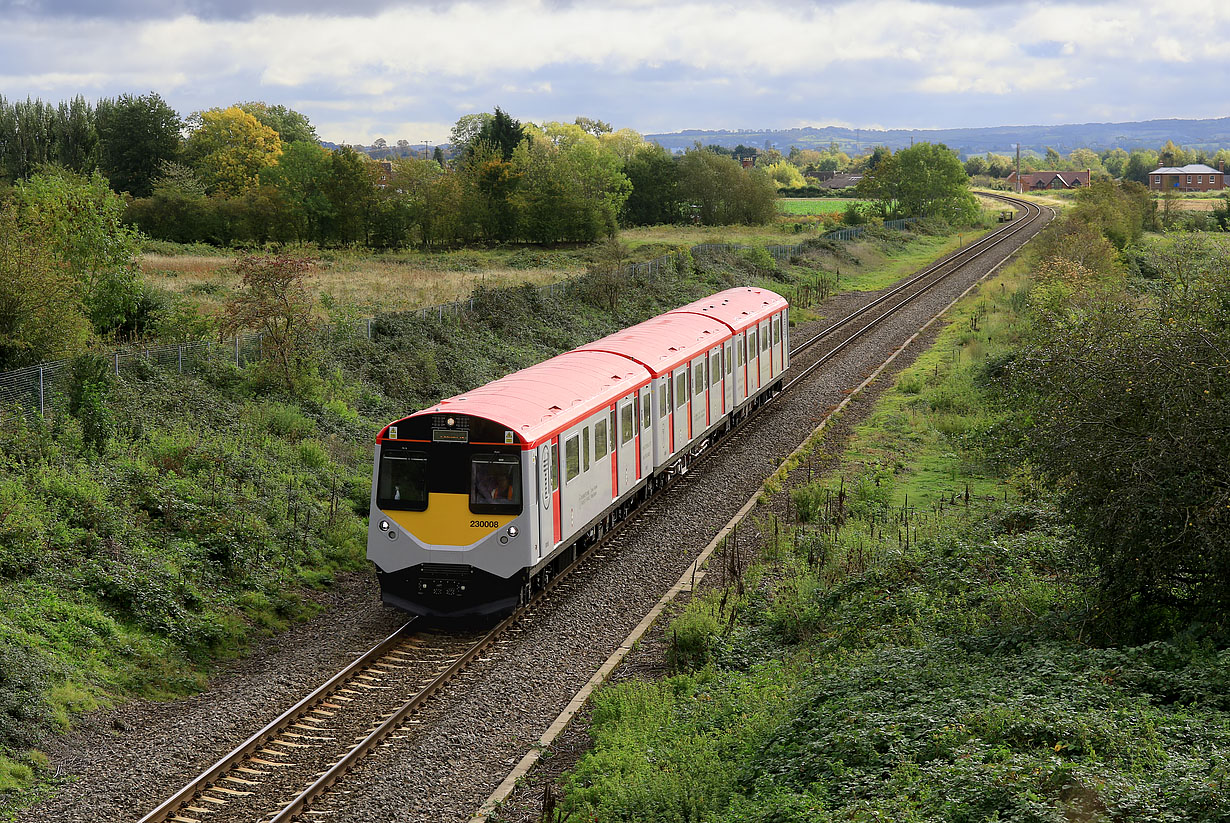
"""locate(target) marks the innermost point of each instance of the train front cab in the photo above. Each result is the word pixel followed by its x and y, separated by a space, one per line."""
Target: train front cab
pixel 452 518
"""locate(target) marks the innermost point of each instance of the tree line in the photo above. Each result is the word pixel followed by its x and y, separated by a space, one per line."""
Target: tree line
pixel 1118 164
pixel 255 174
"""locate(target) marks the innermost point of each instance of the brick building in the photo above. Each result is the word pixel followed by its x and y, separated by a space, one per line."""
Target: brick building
pixel 1038 180
pixel 1196 177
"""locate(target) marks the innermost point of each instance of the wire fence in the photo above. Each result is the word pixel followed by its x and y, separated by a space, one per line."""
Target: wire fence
pixel 43 387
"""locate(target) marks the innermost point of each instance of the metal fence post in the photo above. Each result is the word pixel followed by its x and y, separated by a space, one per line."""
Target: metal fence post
pixel 117 364
pixel 40 390
pixel 236 351
pixel 369 328
pixel 181 358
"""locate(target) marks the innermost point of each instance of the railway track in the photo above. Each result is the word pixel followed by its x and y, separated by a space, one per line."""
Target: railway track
pixel 279 773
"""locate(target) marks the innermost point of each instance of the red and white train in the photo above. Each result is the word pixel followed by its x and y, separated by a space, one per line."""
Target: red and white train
pixel 482 497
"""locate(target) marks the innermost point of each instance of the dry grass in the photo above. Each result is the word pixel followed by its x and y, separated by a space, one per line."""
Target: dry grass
pixel 366 285
pixel 1185 204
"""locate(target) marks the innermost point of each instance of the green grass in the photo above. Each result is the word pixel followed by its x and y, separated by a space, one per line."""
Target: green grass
pixel 920 662
pixel 815 205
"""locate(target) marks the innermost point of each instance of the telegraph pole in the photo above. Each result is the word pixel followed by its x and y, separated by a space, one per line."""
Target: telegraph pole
pixel 1018 168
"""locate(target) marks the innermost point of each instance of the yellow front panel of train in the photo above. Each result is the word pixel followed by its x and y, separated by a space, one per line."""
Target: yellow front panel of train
pixel 448 521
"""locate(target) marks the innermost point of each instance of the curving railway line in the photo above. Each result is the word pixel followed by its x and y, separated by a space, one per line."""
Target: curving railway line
pixel 286 768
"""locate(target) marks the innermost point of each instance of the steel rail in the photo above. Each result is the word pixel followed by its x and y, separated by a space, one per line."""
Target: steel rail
pixel 206 779
pixel 840 347
pixel 957 259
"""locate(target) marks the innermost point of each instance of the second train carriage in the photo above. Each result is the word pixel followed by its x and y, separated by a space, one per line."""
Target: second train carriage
pixel 480 497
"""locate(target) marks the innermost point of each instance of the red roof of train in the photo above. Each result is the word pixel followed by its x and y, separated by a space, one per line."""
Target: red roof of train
pixel 665 342
pixel 551 395
pixel 557 393
pixel 737 308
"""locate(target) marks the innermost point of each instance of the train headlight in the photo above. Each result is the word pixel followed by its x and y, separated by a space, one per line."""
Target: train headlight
pixel 512 531
pixel 384 525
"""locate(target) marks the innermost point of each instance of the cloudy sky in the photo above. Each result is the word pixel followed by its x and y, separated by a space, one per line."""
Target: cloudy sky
pixel 409 69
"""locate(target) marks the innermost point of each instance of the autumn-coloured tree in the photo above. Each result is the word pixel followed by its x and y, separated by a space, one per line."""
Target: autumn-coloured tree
pixel 229 148
pixel 274 300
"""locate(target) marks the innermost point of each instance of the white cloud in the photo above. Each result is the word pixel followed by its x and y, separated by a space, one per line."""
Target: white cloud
pixel 689 64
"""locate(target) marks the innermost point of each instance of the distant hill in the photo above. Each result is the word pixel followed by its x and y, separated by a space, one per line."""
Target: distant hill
pixel 1197 134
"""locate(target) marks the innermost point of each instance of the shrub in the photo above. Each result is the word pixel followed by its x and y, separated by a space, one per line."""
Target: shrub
pixel 690 636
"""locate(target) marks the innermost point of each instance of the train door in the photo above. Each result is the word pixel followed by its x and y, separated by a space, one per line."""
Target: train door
pixel 740 367
pixel 681 389
pixel 777 345
pixel 548 498
pixel 625 445
pixel 715 386
pixel 644 442
pixel 785 338
pixel 699 406
pixel 753 360
pixel 728 384
pixel 662 432
pixel 765 358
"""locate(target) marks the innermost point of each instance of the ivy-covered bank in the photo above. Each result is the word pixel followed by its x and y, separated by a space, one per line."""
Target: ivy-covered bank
pixel 921 642
pixel 157 524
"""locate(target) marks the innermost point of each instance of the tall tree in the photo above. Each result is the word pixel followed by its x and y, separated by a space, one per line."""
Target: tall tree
pixel 925 180
pixel 291 126
pixel 465 131
pixel 41 313
pixel 654 175
pixel 135 136
pixel 229 148
pixel 301 175
pixel 83 219
pixel 502 132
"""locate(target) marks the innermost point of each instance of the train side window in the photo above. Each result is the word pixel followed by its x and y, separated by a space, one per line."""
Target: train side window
pixel 740 345
pixel 681 389
pixel 715 369
pixel 585 450
pixel 599 441
pixel 555 467
pixel 572 457
pixel 647 409
pixel 403 480
pixel 663 406
pixel 752 346
pixel 777 330
pixel 495 484
pixel 698 377
pixel 728 360
pixel 627 420
pixel 612 430
pixel 764 339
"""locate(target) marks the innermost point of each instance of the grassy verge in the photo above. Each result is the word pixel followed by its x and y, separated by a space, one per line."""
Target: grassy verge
pixel 911 647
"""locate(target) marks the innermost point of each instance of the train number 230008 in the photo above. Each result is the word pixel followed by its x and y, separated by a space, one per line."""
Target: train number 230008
pixel 484 524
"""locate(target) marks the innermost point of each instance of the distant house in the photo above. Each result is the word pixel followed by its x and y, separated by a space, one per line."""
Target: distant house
pixel 1196 177
pixel 1039 180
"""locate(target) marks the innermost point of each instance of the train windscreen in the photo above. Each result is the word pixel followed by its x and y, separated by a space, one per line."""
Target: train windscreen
pixel 495 484
pixel 403 480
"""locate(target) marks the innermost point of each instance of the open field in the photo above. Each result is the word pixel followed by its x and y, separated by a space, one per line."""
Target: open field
pixel 1192 203
pixel 369 283
pixel 366 285
pixel 815 205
